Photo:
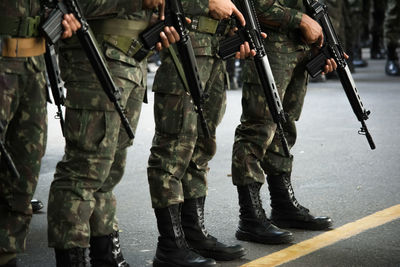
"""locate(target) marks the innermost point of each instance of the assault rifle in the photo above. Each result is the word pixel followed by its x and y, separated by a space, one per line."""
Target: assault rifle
pixel 333 49
pixel 251 33
pixel 6 156
pixel 174 16
pixel 89 44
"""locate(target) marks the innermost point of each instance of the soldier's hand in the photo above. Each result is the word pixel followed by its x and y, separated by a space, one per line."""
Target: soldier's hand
pixel 311 31
pixel 168 36
pixel 70 24
pixel 245 50
pixel 331 64
pixel 223 9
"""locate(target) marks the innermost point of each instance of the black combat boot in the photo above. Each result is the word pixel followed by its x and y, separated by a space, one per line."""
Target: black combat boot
pixel 73 257
pixel 254 225
pixel 392 67
pixel 105 251
pixel 199 239
pixel 172 248
pixel 286 211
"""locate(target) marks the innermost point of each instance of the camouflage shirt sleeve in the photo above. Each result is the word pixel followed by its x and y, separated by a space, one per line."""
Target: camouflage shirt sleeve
pixel 195 7
pixel 275 16
pixel 109 7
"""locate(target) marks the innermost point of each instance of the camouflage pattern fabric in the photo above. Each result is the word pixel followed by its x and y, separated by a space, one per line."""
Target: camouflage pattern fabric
pixel 179 155
pixel 23 112
pixel 178 163
pixel 392 23
pixel 257 150
pixel 23 108
pixel 81 201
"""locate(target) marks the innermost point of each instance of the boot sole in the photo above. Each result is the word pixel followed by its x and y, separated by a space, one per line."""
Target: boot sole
pixel 247 236
pixel 159 263
pixel 222 256
pixel 302 225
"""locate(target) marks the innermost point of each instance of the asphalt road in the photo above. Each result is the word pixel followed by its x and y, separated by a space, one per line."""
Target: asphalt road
pixel 335 174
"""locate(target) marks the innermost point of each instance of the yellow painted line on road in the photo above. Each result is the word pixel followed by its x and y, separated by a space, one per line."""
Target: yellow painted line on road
pixel 327 238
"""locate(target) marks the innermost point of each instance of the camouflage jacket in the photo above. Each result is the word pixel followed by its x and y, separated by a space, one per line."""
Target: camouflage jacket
pixel 280 19
pixel 19 8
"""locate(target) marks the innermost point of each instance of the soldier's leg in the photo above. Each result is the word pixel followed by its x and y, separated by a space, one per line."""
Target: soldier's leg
pixel 392 36
pixel 172 148
pixel 194 180
pixel 91 133
pixel 23 112
pixel 104 238
pixel 252 137
pixel 286 211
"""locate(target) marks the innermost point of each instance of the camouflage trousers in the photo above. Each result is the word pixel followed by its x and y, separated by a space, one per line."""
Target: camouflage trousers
pixel 23 111
pixel 257 149
pixel 392 23
pixel 81 199
pixel 180 154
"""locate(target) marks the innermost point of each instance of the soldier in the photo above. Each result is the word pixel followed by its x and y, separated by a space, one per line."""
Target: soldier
pixel 392 36
pixel 82 206
pixel 180 152
pixel 23 112
pixel 257 150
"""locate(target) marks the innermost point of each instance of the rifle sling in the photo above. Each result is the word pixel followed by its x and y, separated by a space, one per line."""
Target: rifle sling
pixel 179 67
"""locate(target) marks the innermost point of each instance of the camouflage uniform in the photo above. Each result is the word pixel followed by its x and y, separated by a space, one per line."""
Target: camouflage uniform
pixel 180 153
pixel 81 201
pixel 256 148
pixel 23 111
pixel 392 23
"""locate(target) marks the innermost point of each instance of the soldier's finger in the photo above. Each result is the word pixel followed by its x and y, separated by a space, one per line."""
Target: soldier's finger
pixel 247 49
pixel 162 10
pixel 334 65
pixel 169 35
pixel 242 51
pixel 175 34
pixel 237 55
pixel 164 40
pixel 75 22
pixel 67 30
pixel 159 46
pixel 239 15
pixel 263 35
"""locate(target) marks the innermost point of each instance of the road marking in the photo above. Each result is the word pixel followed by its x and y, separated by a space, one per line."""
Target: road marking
pixel 327 238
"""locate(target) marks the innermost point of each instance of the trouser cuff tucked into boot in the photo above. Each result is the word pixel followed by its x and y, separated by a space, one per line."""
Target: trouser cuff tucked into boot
pixel 105 251
pixel 172 248
pixel 286 211
pixel 199 239
pixel 73 257
pixel 254 225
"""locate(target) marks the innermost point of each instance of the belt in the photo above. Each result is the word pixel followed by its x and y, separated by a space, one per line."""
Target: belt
pixel 22 47
pixel 20 26
pixel 209 25
pixel 123 34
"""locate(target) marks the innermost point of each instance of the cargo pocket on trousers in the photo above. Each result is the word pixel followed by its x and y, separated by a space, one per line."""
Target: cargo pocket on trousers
pixel 168 113
pixel 87 129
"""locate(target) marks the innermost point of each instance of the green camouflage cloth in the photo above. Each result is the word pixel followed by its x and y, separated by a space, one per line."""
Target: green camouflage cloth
pixel 257 150
pixel 23 112
pixel 392 23
pixel 179 158
pixel 81 201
